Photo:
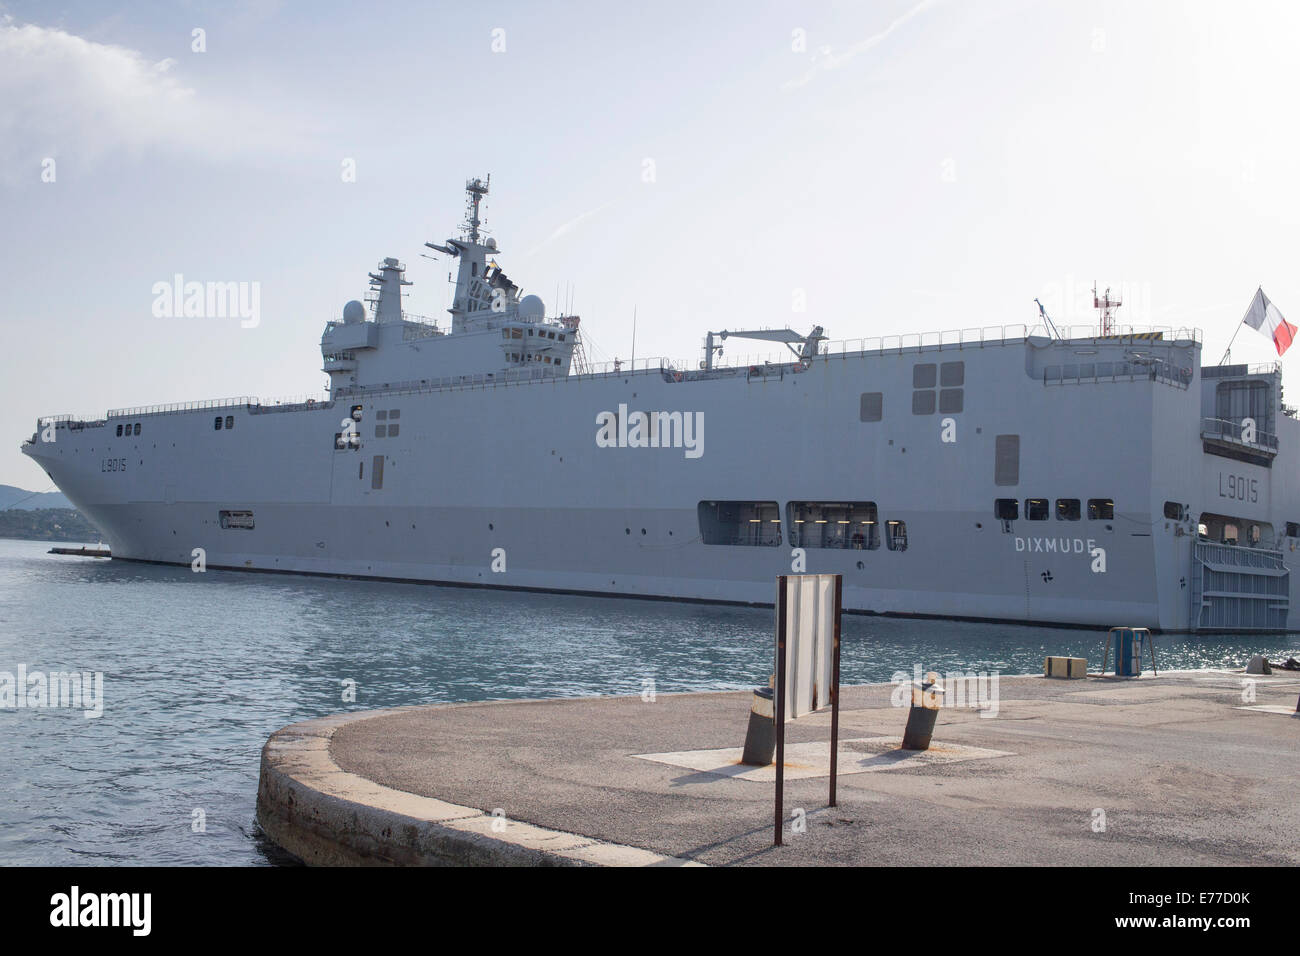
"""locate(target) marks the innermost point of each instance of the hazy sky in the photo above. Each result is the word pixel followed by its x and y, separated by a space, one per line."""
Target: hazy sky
pixel 910 166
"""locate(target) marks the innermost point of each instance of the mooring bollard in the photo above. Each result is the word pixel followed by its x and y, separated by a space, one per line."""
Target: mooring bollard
pixel 923 713
pixel 760 738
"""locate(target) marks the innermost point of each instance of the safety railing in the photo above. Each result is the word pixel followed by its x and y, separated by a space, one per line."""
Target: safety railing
pixel 176 407
pixel 1228 430
pixel 1090 373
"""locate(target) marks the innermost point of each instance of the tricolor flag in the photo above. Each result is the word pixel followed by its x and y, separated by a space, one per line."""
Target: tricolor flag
pixel 1263 316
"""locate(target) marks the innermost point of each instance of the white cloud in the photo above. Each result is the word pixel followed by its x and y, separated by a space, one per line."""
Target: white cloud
pixel 75 100
pixel 827 59
pixel 565 228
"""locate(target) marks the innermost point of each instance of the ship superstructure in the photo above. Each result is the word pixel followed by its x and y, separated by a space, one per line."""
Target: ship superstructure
pixel 1007 473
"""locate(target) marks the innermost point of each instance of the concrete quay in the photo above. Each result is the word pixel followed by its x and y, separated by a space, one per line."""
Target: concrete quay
pixel 1183 769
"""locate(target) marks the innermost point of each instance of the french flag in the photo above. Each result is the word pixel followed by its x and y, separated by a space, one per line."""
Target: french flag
pixel 1263 317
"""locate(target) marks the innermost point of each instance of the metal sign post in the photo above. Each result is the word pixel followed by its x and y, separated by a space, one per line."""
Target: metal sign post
pixel 835 689
pixel 814 602
pixel 780 706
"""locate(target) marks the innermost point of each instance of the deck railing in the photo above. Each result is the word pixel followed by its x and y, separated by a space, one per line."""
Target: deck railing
pixel 1231 431
pixel 983 337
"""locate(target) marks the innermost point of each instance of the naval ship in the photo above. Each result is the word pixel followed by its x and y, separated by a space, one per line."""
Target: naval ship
pixel 1029 474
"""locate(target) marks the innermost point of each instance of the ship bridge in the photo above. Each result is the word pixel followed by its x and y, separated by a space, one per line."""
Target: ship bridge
pixel 496 332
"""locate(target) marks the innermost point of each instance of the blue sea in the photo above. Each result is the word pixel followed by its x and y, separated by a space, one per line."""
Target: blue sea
pixel 199 669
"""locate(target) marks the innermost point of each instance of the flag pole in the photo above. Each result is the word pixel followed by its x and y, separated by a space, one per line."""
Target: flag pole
pixel 1228 351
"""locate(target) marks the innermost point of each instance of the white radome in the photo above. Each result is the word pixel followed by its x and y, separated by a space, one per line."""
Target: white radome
pixel 531 307
pixel 354 312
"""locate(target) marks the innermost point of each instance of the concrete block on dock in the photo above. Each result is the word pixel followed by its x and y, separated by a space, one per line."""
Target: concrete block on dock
pixel 1071 667
pixel 1259 665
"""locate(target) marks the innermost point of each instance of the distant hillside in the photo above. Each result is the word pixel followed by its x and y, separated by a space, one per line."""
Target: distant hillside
pixel 11 497
pixel 48 524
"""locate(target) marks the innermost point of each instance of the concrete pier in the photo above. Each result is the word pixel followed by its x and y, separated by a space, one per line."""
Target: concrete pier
pixel 1183 769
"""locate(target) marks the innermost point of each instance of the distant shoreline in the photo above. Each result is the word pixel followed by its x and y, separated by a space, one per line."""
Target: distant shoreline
pixel 48 524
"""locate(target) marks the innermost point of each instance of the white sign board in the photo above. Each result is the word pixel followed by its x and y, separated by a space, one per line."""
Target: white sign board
pixel 809 641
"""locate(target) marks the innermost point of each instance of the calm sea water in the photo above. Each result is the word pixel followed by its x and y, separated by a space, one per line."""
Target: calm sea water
pixel 199 669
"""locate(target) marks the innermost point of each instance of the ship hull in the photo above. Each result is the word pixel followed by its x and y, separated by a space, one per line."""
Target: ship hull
pixel 515 486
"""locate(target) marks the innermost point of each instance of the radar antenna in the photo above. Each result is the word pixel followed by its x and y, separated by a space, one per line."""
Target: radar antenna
pixel 476 190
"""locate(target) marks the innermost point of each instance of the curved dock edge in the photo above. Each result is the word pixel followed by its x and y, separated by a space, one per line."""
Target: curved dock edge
pixel 325 816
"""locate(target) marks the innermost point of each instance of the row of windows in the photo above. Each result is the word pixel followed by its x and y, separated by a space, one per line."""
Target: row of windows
pixel 841 525
pixel 217 422
pixel 127 430
pixel 950 401
pixel 534 357
pixel 517 333
pixel 1067 509
pixel 950 375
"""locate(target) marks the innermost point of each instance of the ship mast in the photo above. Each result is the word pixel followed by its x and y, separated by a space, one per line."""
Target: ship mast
pixel 1107 306
pixel 476 189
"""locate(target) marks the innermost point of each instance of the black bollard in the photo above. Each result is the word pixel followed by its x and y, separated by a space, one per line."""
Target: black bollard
pixel 922 714
pixel 760 738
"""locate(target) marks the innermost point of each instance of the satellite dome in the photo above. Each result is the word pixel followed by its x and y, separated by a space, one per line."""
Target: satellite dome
pixel 531 307
pixel 354 312
pixel 491 243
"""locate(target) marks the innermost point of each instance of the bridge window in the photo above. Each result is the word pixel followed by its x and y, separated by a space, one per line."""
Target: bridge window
pixel 952 374
pixel 923 402
pixel 119 431
pixel 873 406
pixel 1036 509
pixel 1006 509
pixel 1293 529
pixel 137 428
pixel 216 424
pixel 950 400
pixel 742 523
pixel 230 422
pixel 1067 509
pixel 1174 511
pixel 923 376
pixel 849 525
pixel 896 535
pixel 1101 509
